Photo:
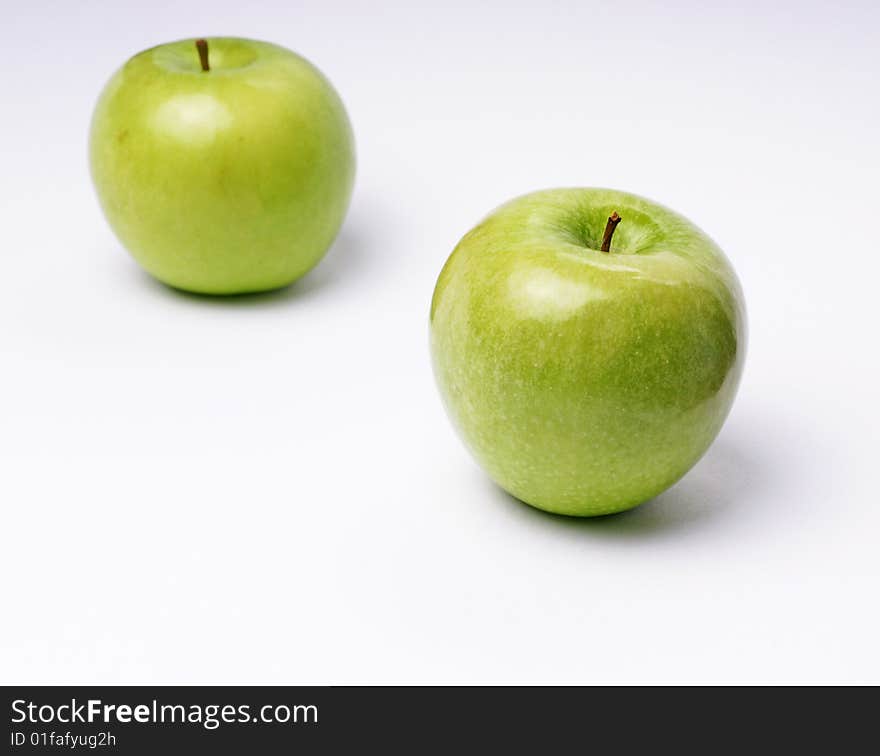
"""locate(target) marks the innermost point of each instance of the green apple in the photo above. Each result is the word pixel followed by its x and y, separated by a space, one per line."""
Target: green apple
pixel 584 381
pixel 224 165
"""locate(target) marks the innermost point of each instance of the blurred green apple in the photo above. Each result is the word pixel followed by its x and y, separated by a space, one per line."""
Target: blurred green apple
pixel 223 165
pixel 584 381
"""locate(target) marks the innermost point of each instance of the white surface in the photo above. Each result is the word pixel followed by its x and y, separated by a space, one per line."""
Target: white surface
pixel 266 490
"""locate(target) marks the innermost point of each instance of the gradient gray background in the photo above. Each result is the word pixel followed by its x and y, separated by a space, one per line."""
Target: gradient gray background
pixel 266 490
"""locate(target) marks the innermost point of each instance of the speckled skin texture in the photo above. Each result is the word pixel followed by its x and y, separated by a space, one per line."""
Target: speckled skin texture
pixel 227 181
pixel 583 382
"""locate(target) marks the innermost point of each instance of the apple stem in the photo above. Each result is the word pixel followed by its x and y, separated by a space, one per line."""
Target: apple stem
pixel 609 231
pixel 202 47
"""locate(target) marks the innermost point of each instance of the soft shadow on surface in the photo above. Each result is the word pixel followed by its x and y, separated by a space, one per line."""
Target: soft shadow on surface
pixel 722 484
pixel 346 259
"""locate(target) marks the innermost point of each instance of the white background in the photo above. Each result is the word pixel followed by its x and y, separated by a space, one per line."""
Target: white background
pixel 267 490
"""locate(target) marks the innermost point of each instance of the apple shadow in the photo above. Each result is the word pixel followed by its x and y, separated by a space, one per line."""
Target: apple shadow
pixel 346 259
pixel 722 484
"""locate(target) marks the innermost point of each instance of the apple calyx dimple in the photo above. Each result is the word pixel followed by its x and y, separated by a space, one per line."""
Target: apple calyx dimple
pixel 613 220
pixel 202 47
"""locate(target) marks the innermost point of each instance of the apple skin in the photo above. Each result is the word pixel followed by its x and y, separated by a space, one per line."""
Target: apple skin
pixel 584 382
pixel 225 181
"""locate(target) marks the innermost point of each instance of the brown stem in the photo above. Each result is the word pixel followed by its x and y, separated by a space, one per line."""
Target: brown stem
pixel 609 231
pixel 202 47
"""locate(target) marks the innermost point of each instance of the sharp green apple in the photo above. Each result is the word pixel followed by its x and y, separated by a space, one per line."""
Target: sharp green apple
pixel 588 344
pixel 224 165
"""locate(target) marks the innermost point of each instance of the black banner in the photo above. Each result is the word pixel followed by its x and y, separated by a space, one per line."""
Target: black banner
pixel 171 720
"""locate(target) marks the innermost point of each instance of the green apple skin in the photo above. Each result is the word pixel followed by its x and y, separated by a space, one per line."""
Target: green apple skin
pixel 226 181
pixel 585 382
